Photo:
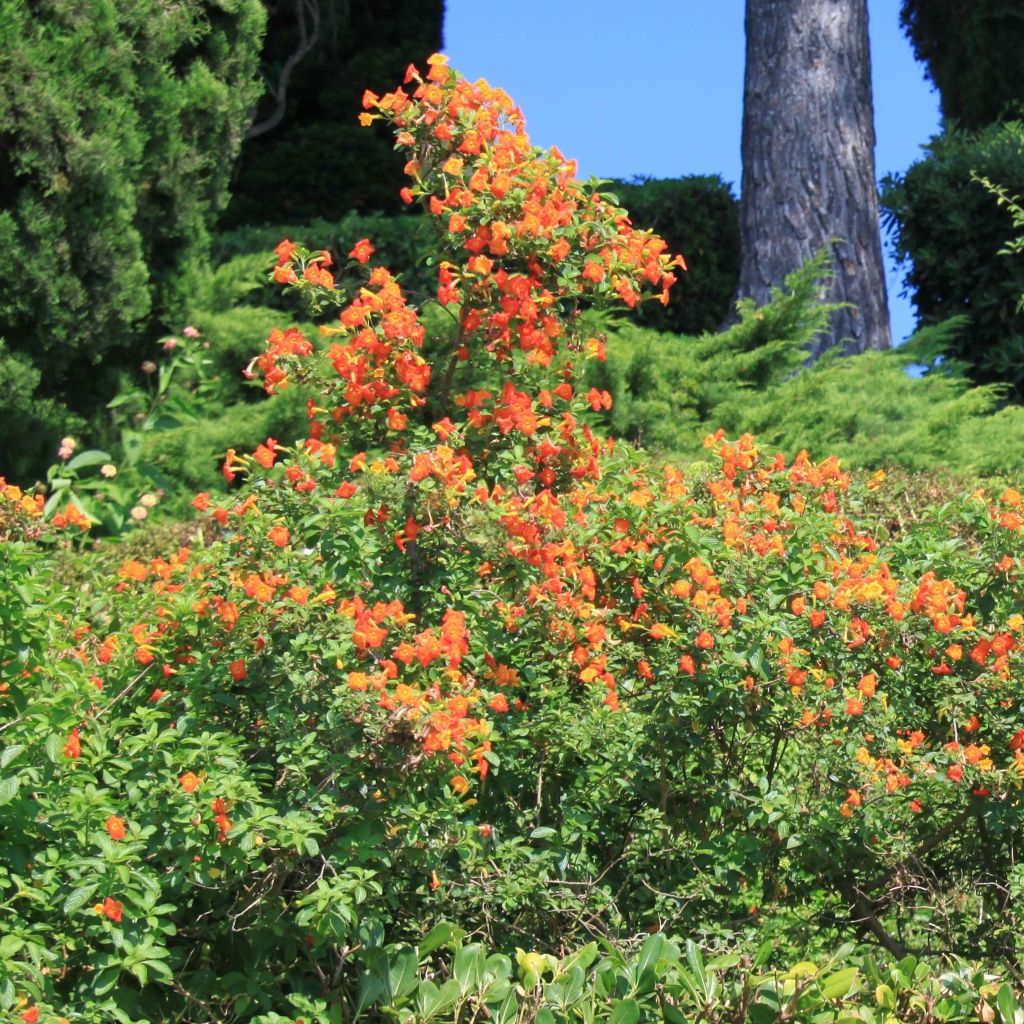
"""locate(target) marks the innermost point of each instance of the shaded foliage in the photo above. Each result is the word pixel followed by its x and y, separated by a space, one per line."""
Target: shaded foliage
pixel 362 44
pixel 949 231
pixel 670 391
pixel 972 53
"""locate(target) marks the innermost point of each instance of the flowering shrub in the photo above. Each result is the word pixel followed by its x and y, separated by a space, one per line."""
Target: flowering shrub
pixel 455 655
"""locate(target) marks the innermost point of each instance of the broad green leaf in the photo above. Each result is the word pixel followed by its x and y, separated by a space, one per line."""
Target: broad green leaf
pixel 9 789
pixel 627 1012
pixel 440 935
pixel 10 753
pixel 83 460
pixel 79 897
pixel 838 985
pixel 1006 1004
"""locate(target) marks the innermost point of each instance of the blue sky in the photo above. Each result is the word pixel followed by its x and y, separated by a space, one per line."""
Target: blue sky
pixel 656 87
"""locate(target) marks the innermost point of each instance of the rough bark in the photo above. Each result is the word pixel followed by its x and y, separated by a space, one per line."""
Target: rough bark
pixel 809 161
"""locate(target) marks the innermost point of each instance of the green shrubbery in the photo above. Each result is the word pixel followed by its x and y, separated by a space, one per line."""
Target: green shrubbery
pixel 669 391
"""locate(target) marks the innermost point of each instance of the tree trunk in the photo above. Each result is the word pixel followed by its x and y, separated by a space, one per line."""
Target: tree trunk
pixel 809 161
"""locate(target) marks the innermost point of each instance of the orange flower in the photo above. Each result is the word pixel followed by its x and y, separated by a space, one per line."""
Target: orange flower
pixel 115 828
pixel 266 454
pixel 190 782
pixel 460 785
pixel 279 535
pixel 867 684
pixel 284 251
pixel 705 641
pixel 73 747
pixel 238 670
pixel 227 468
pixel 362 250
pixel 109 908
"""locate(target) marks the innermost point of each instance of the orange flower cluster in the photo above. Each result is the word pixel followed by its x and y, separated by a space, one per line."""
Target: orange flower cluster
pixel 519 214
pixel 19 513
pixel 432 558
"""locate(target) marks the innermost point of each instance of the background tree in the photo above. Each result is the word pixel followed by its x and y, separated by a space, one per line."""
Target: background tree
pixel 945 227
pixel 972 52
pixel 319 57
pixel 948 231
pixel 119 121
pixel 808 161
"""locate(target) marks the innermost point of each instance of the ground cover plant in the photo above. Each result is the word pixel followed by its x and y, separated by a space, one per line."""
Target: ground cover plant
pixel 454 673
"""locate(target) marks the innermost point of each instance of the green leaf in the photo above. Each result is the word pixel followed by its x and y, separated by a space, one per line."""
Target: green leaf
pixel 650 952
pixel 10 753
pixel 542 833
pixel 78 898
pixel 696 962
pixel 763 1013
pixel 83 460
pixel 369 988
pixel 627 1012
pixel 433 1001
pixel 438 936
pixel 402 976
pixel 838 985
pixel 755 658
pixel 106 979
pixel 1006 1003
pixel 9 789
pixel 467 965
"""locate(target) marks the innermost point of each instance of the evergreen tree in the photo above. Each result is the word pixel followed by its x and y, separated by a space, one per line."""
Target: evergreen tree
pixel 119 122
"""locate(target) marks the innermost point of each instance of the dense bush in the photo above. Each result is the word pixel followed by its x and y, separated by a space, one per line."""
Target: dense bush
pixel 29 423
pixel 454 656
pixel 950 231
pixel 120 121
